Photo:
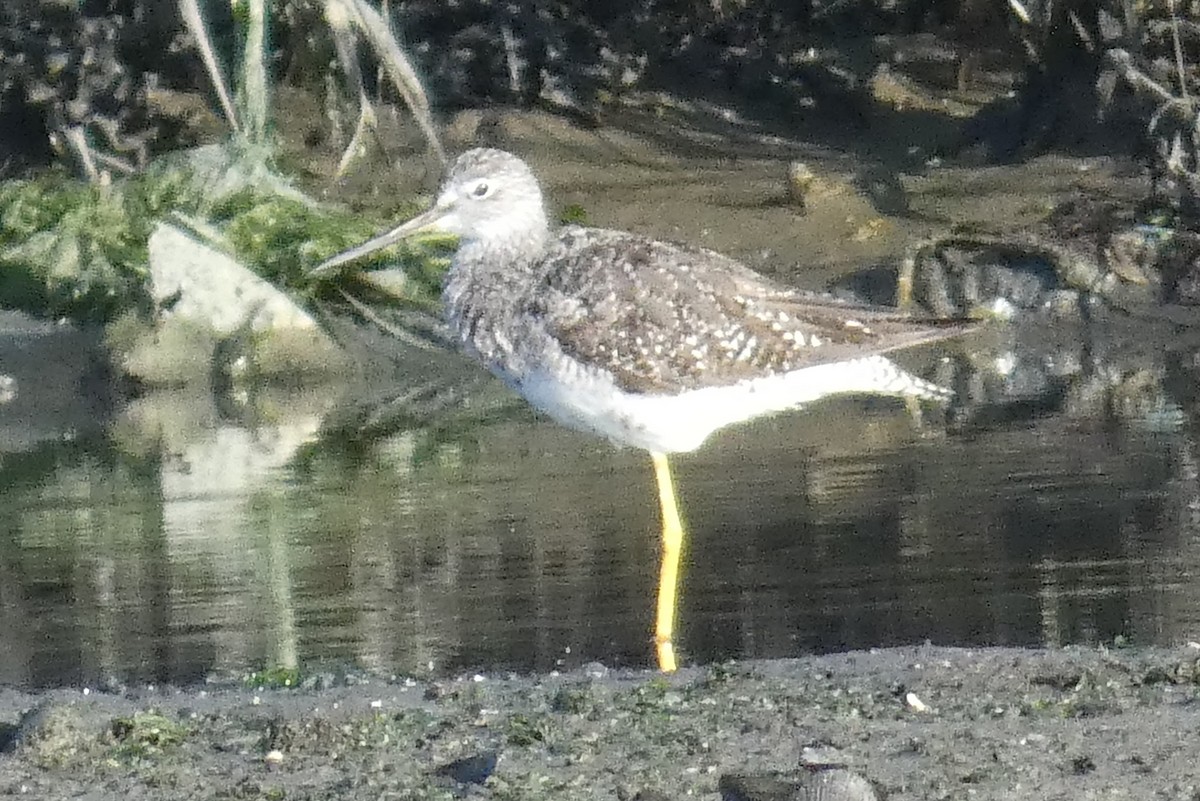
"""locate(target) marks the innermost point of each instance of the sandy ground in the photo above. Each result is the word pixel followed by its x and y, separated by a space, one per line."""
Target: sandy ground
pixel 919 723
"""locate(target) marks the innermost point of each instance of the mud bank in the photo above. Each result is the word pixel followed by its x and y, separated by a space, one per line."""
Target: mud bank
pixel 920 723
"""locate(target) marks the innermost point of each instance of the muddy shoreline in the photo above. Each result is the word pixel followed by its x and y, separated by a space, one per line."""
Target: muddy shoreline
pixel 920 723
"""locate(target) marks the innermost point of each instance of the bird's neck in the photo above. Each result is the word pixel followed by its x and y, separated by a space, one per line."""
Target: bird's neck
pixel 488 282
pixel 505 245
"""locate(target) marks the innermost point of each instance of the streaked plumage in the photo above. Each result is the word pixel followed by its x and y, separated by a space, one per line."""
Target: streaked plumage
pixel 649 343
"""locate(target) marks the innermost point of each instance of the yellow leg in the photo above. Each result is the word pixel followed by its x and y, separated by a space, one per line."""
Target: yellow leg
pixel 668 577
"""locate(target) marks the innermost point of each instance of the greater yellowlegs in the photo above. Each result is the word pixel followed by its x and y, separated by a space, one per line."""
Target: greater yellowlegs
pixel 650 344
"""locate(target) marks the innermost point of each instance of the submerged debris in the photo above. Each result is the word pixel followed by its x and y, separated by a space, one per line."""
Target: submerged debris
pixel 1086 252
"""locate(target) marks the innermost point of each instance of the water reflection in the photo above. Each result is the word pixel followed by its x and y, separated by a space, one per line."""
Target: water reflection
pixel 184 539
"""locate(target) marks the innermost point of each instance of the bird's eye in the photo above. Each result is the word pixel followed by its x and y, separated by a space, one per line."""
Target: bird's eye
pixel 481 190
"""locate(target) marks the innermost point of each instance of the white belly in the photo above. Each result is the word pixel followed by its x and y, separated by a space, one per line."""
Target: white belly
pixel 588 401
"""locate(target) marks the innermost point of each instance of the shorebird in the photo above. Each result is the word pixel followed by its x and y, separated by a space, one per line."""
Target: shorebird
pixel 648 343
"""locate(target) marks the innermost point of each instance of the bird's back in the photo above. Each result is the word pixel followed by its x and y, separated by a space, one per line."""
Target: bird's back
pixel 664 318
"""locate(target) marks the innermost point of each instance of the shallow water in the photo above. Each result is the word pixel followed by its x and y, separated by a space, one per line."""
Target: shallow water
pixel 179 535
pixel 178 539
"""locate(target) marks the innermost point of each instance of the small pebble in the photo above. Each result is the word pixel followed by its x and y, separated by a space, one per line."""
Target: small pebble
pixel 915 703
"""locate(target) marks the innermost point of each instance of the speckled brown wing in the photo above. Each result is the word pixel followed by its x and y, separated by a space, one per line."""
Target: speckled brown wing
pixel 663 318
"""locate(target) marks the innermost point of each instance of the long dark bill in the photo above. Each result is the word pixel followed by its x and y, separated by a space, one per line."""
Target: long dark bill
pixel 417 224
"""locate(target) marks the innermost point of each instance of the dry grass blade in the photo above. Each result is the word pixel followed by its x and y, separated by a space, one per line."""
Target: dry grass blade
pixel 254 71
pixel 1180 67
pixel 366 124
pixel 396 331
pixel 190 11
pixel 77 141
pixel 345 44
pixel 396 64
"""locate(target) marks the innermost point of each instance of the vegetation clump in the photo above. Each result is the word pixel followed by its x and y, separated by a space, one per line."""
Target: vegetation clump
pixel 146 734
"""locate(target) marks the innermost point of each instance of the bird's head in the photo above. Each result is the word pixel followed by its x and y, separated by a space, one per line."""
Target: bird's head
pixel 488 196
